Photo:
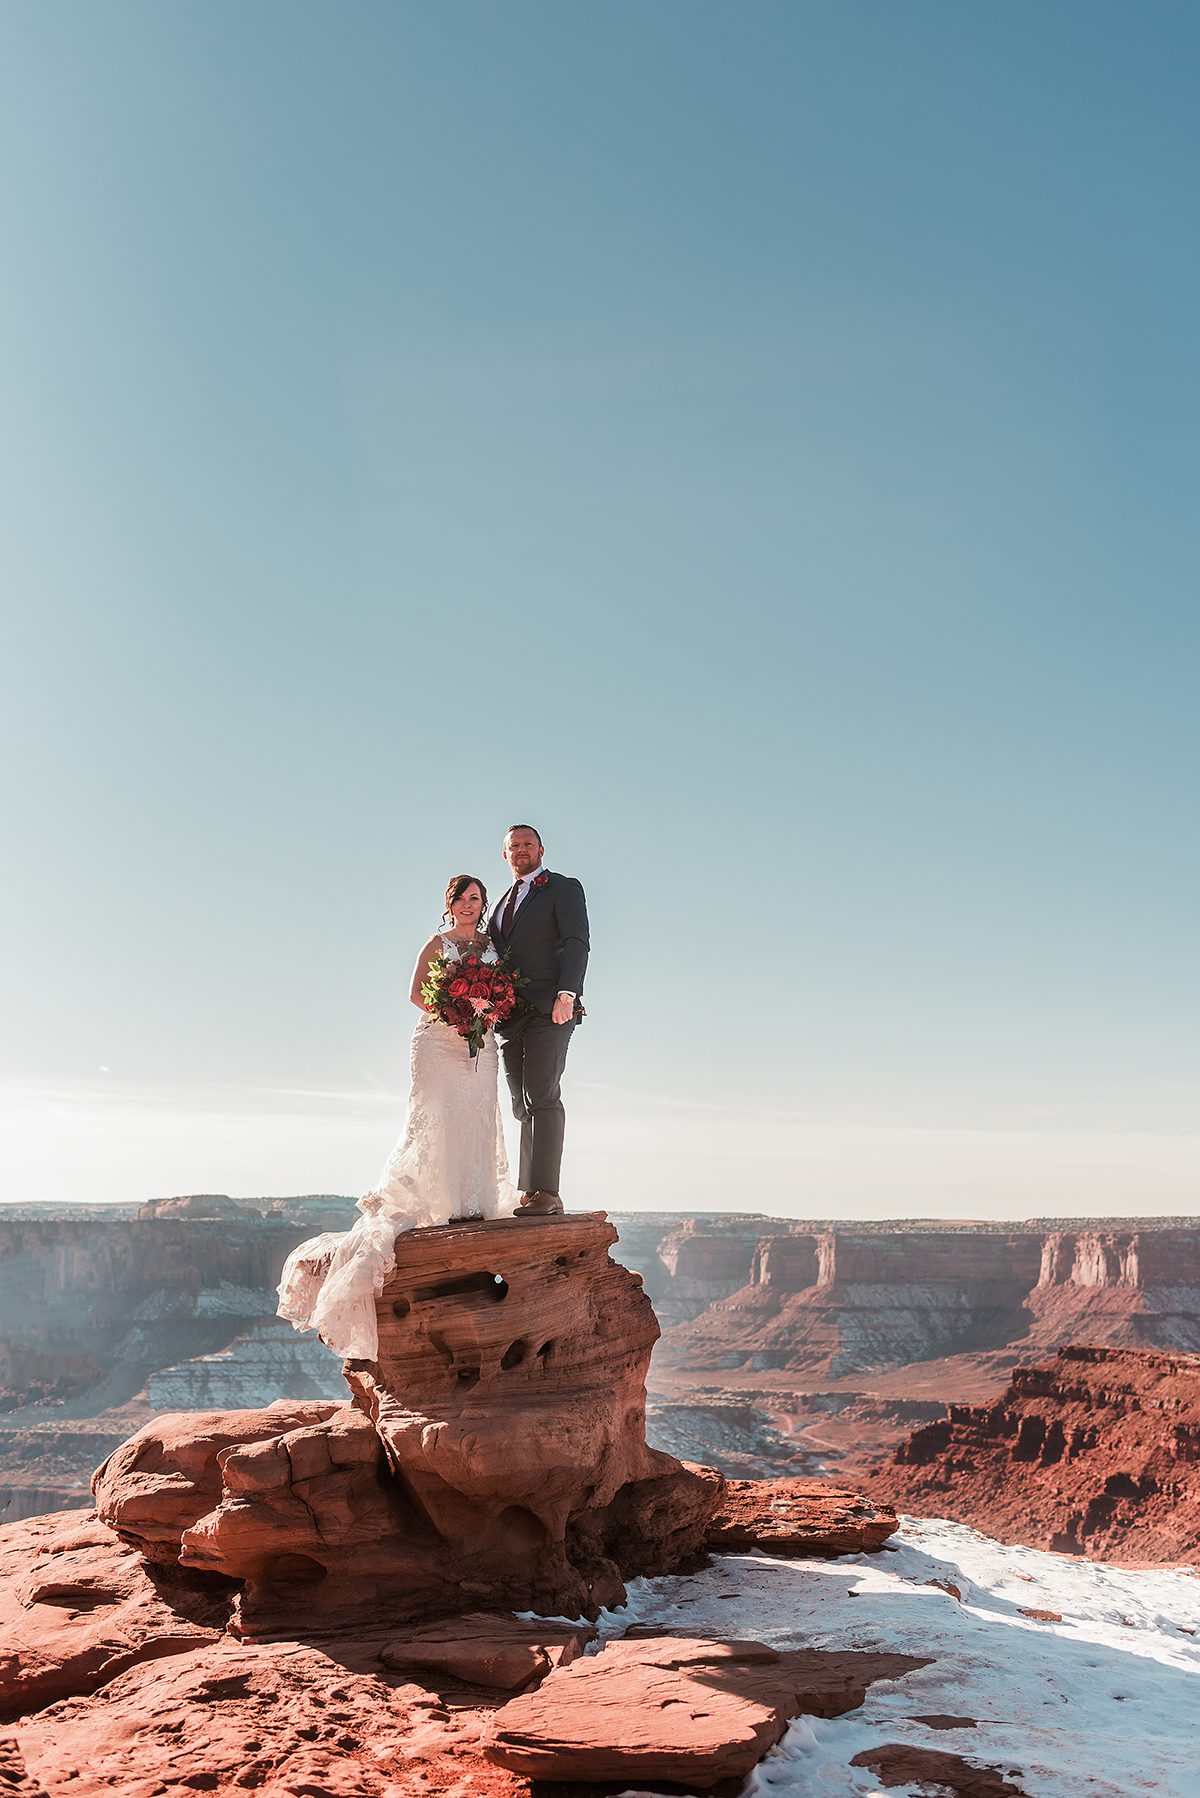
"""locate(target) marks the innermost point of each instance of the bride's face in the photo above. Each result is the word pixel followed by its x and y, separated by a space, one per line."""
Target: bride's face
pixel 466 909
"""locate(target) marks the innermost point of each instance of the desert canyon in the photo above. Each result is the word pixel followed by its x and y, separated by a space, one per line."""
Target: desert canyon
pixel 536 1548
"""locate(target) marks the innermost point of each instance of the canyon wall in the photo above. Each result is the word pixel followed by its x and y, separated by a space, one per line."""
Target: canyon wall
pixel 790 1347
pixel 110 1313
pixel 690 1263
pixel 1127 1286
pixel 842 1299
pixel 94 1305
pixel 1097 1453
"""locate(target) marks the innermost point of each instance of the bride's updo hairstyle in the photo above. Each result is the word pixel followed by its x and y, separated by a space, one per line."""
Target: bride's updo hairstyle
pixel 456 887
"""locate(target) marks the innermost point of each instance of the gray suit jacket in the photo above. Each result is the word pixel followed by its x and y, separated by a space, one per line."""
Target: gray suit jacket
pixel 549 941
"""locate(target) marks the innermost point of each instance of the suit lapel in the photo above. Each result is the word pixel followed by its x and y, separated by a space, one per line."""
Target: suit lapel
pixel 533 898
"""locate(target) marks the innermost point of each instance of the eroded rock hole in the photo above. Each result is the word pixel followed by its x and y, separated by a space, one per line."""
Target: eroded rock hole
pixel 482 1285
pixel 401 1308
pixel 292 1569
pixel 468 1376
pixel 520 1529
pixel 515 1353
pixel 546 1350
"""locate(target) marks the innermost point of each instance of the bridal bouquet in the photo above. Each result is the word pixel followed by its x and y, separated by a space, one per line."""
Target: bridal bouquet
pixel 470 995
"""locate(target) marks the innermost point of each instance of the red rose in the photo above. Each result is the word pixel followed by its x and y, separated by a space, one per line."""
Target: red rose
pixel 458 988
pixel 479 990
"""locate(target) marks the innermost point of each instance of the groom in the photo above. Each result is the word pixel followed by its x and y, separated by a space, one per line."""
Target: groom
pixel 542 921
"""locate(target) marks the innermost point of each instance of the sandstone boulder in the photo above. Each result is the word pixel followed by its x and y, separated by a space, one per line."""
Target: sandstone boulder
pixel 168 1475
pixel 493 1455
pixel 503 1653
pixel 797 1517
pixel 689 1711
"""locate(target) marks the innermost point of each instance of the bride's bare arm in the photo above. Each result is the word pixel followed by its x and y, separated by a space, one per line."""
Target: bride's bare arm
pixel 425 961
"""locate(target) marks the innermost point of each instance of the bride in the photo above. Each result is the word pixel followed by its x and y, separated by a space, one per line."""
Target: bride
pixel 448 1165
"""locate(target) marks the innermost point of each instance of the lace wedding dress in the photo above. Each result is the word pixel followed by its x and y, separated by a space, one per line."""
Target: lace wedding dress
pixel 450 1163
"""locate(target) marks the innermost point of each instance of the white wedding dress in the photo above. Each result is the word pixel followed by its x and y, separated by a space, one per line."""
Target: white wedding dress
pixel 449 1164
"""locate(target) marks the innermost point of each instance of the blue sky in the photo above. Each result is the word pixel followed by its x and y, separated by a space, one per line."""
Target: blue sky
pixel 756 445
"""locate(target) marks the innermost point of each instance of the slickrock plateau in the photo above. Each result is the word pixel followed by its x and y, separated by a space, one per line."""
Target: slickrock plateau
pixel 1097 1453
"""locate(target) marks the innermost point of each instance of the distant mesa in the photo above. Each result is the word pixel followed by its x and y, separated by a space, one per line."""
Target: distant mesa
pixel 213 1207
pixel 200 1205
pixel 849 1298
pixel 841 1339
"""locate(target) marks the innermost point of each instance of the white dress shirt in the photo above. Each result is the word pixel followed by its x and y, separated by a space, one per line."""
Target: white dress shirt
pixel 523 885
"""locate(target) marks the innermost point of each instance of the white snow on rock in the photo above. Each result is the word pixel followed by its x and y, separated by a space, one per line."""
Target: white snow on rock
pixel 1103 1703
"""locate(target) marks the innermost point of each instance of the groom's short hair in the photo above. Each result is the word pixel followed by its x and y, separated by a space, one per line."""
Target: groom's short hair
pixel 529 827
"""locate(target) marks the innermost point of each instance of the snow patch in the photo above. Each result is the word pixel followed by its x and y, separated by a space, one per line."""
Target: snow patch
pixel 1098 1701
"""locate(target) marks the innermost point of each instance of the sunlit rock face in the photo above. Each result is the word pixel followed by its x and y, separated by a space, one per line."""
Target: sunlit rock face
pixel 1097 1454
pixel 494 1453
pixel 498 1335
pixel 845 1299
pixel 1131 1287
pixel 698 1262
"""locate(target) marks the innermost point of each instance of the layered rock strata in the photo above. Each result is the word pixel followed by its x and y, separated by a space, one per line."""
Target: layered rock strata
pixel 789 1349
pixel 1097 1453
pixel 493 1454
pixel 1124 1287
pixel 845 1337
pixel 694 1262
pixel 840 1300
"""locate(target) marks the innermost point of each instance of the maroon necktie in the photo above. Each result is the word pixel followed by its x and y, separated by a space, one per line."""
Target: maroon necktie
pixel 506 922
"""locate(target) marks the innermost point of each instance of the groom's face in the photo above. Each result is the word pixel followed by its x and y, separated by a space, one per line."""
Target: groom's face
pixel 522 851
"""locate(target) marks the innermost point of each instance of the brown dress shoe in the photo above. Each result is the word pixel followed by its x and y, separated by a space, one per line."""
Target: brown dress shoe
pixel 540 1204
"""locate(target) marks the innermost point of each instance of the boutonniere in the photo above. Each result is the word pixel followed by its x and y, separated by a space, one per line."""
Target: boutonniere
pixel 541 880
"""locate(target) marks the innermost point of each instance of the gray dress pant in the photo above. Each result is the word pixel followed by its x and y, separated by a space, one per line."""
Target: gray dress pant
pixel 535 1054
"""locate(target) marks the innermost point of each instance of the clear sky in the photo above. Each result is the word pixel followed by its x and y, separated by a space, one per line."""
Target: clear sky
pixel 755 444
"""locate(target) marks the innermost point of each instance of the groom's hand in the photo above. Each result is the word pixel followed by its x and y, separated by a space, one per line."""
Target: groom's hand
pixel 564 1009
